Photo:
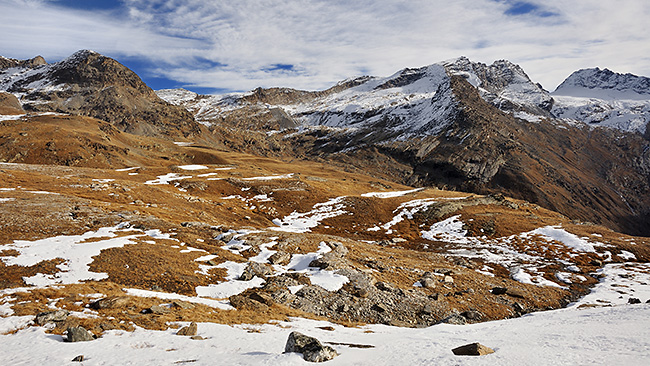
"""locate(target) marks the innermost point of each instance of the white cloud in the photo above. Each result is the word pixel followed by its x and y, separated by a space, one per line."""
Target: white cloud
pixel 331 40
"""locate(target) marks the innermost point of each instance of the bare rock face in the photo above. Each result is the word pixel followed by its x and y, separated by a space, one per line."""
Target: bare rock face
pixel 472 349
pixel 311 348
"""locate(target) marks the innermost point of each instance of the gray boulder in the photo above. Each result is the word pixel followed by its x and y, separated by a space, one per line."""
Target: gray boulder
pixel 311 348
pixel 78 334
pixel 256 269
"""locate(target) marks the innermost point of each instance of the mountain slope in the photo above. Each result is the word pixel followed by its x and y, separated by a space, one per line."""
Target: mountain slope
pixel 458 125
pixel 90 84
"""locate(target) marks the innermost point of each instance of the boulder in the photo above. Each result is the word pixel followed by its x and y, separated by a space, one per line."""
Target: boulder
pixel 334 259
pixel 79 358
pixel 189 330
pixel 242 302
pixel 254 269
pixel 515 293
pixel 281 258
pixel 51 317
pixel 633 300
pixel 78 334
pixel 311 348
pixel 472 349
pixel 499 290
pixel 428 282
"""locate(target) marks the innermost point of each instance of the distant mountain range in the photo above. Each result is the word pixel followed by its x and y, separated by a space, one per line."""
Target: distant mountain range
pixel 456 124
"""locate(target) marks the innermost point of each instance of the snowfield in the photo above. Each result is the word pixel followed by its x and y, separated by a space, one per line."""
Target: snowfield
pixel 618 335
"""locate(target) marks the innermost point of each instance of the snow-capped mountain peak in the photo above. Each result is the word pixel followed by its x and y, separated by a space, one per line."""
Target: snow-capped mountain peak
pixel 601 97
pixel 504 84
pixel 605 84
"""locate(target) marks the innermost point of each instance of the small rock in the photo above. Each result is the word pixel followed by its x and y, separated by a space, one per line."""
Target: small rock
pixel 383 286
pixel 281 258
pixel 427 309
pixel 455 319
pixel 51 317
pixel 499 290
pixel 182 304
pixel 427 282
pixel 448 279
pixel 156 309
pixel 633 300
pixel 79 358
pixel 197 338
pixel 596 262
pixel 518 307
pixel 254 269
pixel 311 348
pixel 472 349
pixel 109 302
pixel 78 334
pixel 515 293
pixel 472 315
pixel 189 330
pixel 212 262
pixel 398 240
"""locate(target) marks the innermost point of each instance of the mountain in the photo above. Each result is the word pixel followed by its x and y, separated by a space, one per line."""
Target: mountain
pixel 455 125
pixel 607 99
pixel 90 84
pixel 605 84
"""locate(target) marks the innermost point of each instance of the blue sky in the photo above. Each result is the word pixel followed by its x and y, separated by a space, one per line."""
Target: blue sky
pixel 218 46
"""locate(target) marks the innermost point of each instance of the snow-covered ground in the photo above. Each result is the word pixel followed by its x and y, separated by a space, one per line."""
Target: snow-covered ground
pixel 616 335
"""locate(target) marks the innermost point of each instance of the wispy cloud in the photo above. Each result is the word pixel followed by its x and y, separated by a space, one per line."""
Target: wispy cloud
pixel 311 44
